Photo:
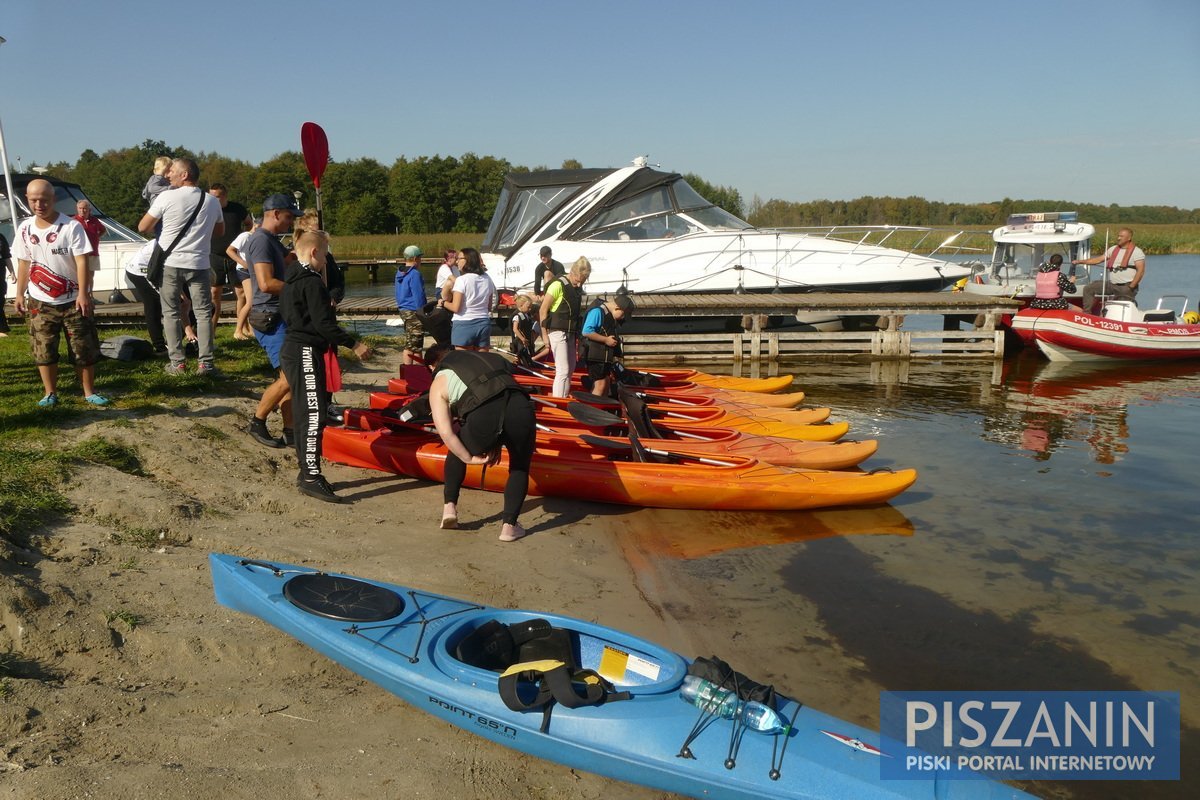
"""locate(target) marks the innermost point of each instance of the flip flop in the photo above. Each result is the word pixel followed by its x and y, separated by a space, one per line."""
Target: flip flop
pixel 449 523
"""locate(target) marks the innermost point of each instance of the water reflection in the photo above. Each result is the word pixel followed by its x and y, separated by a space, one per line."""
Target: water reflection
pixel 1050 405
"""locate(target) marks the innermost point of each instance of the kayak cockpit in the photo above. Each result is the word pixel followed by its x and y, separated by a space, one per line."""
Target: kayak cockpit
pixel 484 645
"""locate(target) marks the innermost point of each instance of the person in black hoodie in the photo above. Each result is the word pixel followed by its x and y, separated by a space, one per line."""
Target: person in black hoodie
pixel 313 335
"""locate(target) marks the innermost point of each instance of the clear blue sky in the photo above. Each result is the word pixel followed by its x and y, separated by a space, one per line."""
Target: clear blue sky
pixel 1095 101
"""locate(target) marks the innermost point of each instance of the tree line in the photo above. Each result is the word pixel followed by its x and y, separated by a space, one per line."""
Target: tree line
pixel 922 212
pixel 448 194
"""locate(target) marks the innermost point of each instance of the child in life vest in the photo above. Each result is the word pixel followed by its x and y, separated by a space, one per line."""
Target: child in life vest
pixel 522 344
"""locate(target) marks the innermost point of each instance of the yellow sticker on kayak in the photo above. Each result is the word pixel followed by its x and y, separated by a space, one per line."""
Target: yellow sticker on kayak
pixel 616 664
pixel 613 663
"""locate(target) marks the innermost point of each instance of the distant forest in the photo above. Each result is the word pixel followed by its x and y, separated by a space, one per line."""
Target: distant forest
pixel 445 194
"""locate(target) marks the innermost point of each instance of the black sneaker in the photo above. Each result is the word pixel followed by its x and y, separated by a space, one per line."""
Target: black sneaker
pixel 319 488
pixel 258 431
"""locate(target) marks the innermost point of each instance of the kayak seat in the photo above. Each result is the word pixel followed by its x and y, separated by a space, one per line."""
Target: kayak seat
pixel 496 646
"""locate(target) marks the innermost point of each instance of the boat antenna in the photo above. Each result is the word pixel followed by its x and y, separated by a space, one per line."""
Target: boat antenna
pixel 1103 274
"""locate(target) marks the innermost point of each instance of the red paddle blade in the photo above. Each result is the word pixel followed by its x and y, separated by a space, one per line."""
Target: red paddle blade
pixel 316 150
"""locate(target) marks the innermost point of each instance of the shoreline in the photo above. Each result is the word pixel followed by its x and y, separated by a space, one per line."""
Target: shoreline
pixel 132 681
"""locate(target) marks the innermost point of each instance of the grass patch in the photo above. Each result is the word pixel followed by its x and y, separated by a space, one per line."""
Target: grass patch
pixel 388 245
pixel 29 494
pixel 135 536
pixel 126 617
pixel 129 564
pixel 98 450
pixel 208 433
pixel 34 460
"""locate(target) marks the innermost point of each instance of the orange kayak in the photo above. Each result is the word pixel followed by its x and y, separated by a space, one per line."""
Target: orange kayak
pixel 586 473
pixel 800 424
pixel 701 441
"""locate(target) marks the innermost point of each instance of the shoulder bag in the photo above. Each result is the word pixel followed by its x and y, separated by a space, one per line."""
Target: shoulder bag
pixel 158 256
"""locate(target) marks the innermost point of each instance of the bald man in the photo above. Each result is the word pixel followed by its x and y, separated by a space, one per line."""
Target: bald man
pixel 52 269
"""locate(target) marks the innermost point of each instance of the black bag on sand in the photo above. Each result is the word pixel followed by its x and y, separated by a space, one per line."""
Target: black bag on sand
pixel 126 348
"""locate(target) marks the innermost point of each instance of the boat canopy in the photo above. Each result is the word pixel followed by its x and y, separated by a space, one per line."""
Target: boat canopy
pixel 648 204
pixel 528 199
pixel 66 197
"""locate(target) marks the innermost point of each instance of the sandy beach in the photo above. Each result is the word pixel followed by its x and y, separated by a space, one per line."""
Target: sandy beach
pixel 133 683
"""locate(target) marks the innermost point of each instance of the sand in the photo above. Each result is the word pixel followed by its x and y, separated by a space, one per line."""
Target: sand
pixel 195 701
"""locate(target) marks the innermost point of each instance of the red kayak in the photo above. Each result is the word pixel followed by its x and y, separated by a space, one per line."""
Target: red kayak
pixel 700 441
pixel 803 424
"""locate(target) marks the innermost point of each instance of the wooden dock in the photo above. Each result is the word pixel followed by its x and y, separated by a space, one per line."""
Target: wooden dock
pixel 878 334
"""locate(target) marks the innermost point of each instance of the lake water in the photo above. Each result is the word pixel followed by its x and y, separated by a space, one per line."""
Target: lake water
pixel 1049 543
pixel 1053 539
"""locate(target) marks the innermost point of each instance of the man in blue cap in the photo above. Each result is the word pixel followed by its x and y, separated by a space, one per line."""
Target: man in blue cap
pixel 268 260
pixel 410 299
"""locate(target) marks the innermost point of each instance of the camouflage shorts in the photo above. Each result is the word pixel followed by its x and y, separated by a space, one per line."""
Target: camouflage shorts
pixel 414 332
pixel 47 321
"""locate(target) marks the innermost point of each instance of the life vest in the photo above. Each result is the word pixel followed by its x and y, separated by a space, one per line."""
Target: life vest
pixel 537 667
pixel 1047 285
pixel 1116 251
pixel 599 351
pixel 486 375
pixel 566 317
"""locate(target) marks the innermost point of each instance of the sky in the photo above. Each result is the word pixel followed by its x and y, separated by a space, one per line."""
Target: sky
pixel 966 101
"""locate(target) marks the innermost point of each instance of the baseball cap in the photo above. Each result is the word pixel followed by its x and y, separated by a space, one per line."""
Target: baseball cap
pixel 412 251
pixel 545 251
pixel 281 202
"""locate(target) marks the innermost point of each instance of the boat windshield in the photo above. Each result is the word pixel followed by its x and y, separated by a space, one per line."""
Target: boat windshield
pixel 1024 259
pixel 519 212
pixel 660 212
pixel 66 198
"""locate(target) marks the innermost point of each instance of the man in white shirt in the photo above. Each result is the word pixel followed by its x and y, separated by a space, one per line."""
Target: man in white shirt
pixel 187 268
pixel 1126 266
pixel 52 252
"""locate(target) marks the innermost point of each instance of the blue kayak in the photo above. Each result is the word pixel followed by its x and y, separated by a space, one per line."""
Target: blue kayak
pixel 566 690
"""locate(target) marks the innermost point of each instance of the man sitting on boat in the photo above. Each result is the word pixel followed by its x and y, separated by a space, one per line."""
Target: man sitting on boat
pixel 1050 285
pixel 1125 264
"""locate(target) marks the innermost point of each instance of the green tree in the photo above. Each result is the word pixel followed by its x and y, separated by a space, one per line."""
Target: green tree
pixel 726 197
pixel 283 174
pixel 354 197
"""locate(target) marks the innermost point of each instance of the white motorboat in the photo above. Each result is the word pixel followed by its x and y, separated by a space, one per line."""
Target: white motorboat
pixel 1025 242
pixel 117 244
pixel 649 231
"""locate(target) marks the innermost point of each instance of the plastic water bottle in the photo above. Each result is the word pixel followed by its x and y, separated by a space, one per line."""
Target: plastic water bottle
pixel 762 718
pixel 708 696
pixel 725 704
